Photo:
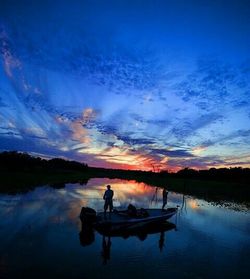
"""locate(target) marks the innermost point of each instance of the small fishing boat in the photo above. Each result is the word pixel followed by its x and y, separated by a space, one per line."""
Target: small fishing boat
pixel 125 219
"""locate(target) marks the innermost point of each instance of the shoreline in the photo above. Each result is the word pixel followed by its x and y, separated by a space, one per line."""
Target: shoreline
pixel 14 182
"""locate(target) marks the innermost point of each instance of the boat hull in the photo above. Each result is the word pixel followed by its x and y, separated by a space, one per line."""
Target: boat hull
pixel 117 221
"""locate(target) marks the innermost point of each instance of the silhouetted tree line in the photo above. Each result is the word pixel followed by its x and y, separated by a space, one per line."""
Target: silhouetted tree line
pixel 21 172
pixel 22 161
pixel 215 174
pixel 237 175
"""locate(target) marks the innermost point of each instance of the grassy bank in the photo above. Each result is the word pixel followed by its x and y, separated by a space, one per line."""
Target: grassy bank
pixel 216 191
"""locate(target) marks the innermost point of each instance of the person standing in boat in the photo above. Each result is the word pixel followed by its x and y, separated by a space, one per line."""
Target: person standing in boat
pixel 108 197
pixel 164 197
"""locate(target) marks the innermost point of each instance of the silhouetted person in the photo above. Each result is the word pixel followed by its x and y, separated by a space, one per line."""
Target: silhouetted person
pixel 108 197
pixel 164 198
pixel 106 245
pixel 161 241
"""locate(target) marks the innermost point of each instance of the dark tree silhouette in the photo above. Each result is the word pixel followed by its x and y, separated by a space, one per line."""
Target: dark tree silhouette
pixel 22 161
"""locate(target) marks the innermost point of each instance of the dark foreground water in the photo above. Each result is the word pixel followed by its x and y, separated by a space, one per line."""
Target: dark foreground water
pixel 40 236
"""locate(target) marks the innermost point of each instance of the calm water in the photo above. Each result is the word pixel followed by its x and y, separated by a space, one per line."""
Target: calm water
pixel 40 236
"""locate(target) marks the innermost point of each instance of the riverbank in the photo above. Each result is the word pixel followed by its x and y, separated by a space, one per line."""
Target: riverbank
pixel 13 182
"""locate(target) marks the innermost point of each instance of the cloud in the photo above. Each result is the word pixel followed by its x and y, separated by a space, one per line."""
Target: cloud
pixel 197 163
pixel 172 153
pixel 214 83
pixel 190 127
pixel 99 82
pixel 134 141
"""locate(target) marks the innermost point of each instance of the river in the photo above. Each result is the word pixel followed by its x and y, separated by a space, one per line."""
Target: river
pixel 41 236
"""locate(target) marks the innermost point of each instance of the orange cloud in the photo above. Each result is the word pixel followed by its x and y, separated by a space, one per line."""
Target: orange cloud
pixel 80 133
pixel 122 157
pixel 88 115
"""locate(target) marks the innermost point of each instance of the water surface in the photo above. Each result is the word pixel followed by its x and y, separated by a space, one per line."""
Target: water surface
pixel 40 235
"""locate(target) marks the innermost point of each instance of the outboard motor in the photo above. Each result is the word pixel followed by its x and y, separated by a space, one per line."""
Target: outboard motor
pixel 88 215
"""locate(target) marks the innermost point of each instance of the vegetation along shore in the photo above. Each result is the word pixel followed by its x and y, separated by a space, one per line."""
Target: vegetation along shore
pixel 21 172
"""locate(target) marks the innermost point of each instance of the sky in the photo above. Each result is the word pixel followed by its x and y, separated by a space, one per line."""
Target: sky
pixel 148 85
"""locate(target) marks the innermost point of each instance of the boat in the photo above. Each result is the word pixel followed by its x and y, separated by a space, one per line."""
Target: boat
pixel 129 219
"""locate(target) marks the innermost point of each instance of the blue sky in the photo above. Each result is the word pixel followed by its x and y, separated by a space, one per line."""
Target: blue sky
pixel 127 84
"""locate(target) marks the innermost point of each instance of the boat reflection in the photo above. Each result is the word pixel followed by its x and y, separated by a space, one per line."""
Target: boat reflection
pixel 141 232
pixel 87 235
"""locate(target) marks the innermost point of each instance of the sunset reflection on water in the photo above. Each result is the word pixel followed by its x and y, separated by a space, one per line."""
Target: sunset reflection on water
pixel 45 223
pixel 125 192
